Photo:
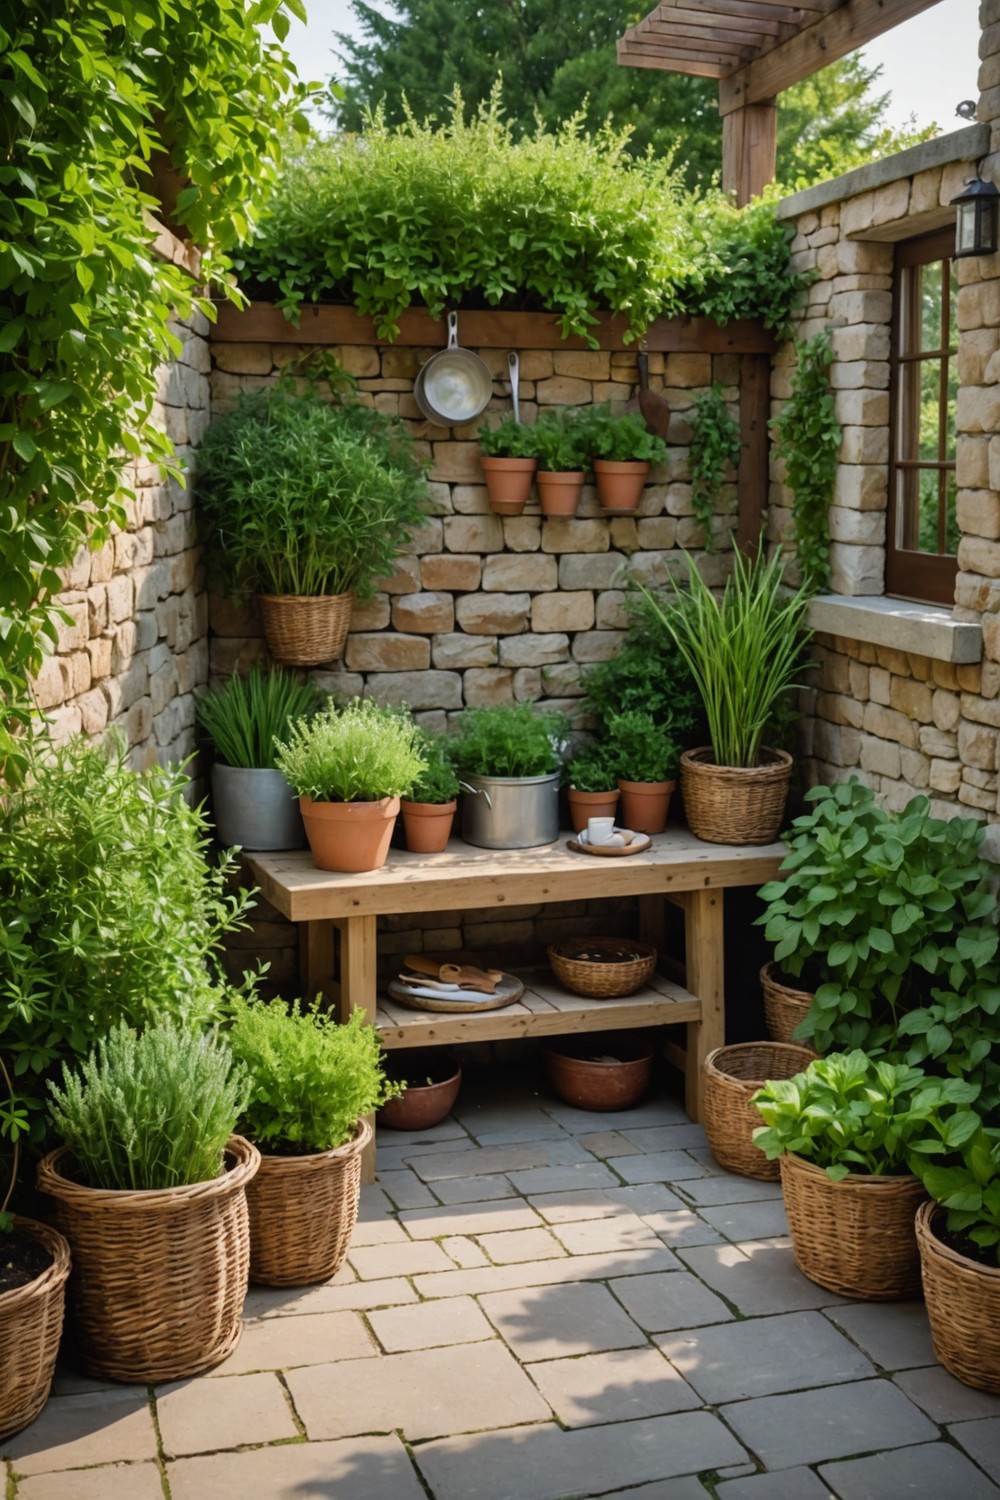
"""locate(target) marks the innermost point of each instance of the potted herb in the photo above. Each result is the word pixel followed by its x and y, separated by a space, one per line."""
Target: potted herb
pixel 311 1084
pixel 592 784
pixel 560 445
pixel 306 504
pixel 254 806
pixel 429 811
pixel 646 756
pixel 508 756
pixel 845 1131
pixel 744 651
pixel 645 673
pixel 508 462
pixel 349 767
pixel 429 1079
pixel 149 1189
pixel 621 449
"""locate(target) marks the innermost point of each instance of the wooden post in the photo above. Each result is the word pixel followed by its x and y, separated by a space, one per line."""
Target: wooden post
pixel 749 149
pixel 753 477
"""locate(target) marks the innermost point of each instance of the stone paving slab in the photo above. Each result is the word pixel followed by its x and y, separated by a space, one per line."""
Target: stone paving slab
pixel 233 1411
pixel 517 1245
pixel 430 1325
pixel 930 1469
pixel 762 1356
pixel 545 1273
pixel 109 1482
pixel 359 1295
pixel 758 1278
pixel 835 1422
pixel 661 1303
pixel 764 1220
pixel 617 1386
pixel 946 1399
pixel 575 1319
pixel 787 1484
pixel 370 1468
pixel 310 1339
pixel 895 1335
pixel 471 1218
pixel 981 1440
pixel 659 1166
pixel 113 1425
pixel 483 1188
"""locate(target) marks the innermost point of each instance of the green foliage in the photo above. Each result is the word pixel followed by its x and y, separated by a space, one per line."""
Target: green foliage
pixel 643 750
pixel 969 1189
pixel 621 437
pixel 893 915
pixel 437 782
pixel 851 1113
pixel 743 650
pixel 109 908
pixel 715 447
pixel 594 768
pixel 509 439
pixel 736 262
pixel 507 740
pixel 247 714
pixel 359 753
pixel 87 95
pixel 645 674
pixel 149 1110
pixel 808 445
pixel 302 497
pixel 561 439
pixel 310 1080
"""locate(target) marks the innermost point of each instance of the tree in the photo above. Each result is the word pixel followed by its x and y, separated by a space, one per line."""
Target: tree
pixel 558 56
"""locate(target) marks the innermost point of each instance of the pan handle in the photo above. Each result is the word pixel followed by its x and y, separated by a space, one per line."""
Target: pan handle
pixel 453 330
pixel 513 365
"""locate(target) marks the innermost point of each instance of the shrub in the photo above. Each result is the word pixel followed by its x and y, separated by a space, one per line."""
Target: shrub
pixel 969 1188
pixel 247 714
pixel 642 749
pixel 507 740
pixel 359 753
pixel 593 768
pixel 646 673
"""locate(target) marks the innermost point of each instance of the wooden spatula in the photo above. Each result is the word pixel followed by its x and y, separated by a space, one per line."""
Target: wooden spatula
pixel 464 974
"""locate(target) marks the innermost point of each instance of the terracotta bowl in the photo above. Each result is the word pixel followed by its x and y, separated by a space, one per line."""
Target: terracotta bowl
pixel 599 1071
pixel 428 1099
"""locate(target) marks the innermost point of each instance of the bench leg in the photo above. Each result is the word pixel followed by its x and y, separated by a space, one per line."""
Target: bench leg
pixel 359 991
pixel 703 927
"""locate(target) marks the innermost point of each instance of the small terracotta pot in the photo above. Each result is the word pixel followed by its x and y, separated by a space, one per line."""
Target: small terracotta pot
pixel 349 836
pixel 422 1104
pixel 427 825
pixel 645 805
pixel 559 492
pixel 508 483
pixel 600 1071
pixel 619 485
pixel 584 805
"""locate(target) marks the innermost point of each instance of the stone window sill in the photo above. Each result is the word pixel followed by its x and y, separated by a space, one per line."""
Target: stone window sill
pixel 923 629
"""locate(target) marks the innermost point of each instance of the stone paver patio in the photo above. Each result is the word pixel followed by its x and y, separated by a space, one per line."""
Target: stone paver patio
pixel 542 1304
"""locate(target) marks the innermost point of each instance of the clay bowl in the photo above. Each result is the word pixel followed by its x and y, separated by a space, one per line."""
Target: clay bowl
pixel 428 1099
pixel 599 1070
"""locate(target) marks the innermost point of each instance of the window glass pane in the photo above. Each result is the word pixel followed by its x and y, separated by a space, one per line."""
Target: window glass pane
pixel 950 429
pixel 952 307
pixel 952 534
pixel 928 533
pixel 930 409
pixel 930 305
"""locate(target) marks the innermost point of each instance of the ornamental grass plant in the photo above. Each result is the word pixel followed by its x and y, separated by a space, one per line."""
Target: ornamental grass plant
pixel 248 714
pixel 359 753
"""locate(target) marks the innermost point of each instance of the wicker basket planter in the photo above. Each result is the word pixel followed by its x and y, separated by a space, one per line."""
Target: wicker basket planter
pixel 303 630
pixel 159 1278
pixel 784 1006
pixel 597 978
pixel 854 1237
pixel 732 1077
pixel 735 804
pixel 303 1210
pixel 963 1305
pixel 31 1320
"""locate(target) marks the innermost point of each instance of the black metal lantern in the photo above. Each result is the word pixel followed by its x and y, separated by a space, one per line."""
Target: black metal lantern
pixel 976 219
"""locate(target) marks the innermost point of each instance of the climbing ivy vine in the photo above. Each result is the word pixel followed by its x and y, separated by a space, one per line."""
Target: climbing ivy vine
pixel 715 447
pixel 808 442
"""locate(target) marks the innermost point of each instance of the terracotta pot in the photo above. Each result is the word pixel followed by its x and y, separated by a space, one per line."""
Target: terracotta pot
pixel 584 805
pixel 645 805
pixel 619 485
pixel 602 1071
pixel 963 1305
pixel 508 483
pixel 349 836
pixel 31 1320
pixel 559 492
pixel 423 1103
pixel 427 825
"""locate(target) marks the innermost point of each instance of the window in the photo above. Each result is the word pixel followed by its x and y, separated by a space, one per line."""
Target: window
pixel 922 527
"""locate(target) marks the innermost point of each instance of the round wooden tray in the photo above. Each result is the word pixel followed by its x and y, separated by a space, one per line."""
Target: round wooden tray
pixel 509 990
pixel 611 851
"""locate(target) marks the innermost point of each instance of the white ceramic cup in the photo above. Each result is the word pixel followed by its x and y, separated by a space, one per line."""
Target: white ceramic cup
pixel 600 830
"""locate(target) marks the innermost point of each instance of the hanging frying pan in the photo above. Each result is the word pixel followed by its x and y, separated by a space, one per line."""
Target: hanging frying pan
pixel 455 385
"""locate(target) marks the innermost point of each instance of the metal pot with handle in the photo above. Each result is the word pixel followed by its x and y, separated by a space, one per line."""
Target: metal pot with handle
pixel 455 385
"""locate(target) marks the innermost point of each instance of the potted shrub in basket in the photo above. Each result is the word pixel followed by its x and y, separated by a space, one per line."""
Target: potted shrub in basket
pixel 621 449
pixel 592 784
pixel 306 504
pixel 509 759
pixel 646 758
pixel 508 462
pixel 254 806
pixel 149 1190
pixel 560 445
pixel 429 811
pixel 349 767
pixel 311 1084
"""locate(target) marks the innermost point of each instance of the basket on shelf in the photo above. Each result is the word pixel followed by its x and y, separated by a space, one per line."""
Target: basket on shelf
pixel 732 1075
pixel 785 1006
pixel 305 630
pixel 587 966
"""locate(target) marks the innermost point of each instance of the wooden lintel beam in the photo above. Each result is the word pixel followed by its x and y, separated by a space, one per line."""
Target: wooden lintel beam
pixel 638 55
pixel 727 37
pixel 685 19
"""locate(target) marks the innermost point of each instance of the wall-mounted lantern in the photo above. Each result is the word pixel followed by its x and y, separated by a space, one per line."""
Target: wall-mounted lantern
pixel 976 220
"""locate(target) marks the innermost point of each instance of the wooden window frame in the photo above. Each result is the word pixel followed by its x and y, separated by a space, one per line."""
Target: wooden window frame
pixel 910 573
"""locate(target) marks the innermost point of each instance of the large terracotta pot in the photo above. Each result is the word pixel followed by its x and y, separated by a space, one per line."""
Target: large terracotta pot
pixel 619 485
pixel 585 805
pixel 508 483
pixel 645 805
pixel 427 825
pixel 349 836
pixel 559 492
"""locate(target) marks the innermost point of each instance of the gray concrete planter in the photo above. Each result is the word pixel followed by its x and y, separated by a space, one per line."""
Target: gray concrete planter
pixel 255 809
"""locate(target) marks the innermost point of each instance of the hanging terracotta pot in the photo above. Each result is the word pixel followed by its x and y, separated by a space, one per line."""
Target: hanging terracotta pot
pixel 619 485
pixel 559 491
pixel 508 483
pixel 349 836
pixel 428 825
pixel 584 805
pixel 645 805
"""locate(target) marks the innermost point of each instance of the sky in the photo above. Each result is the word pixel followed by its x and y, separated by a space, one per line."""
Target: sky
pixel 929 63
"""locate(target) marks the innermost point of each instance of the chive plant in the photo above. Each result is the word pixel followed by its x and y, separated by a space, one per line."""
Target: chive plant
pixel 247 714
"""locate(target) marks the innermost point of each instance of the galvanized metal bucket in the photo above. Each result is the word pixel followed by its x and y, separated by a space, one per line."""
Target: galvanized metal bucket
pixel 255 809
pixel 510 812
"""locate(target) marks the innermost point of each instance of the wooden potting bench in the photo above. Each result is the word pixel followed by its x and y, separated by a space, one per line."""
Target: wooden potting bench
pixel 338 934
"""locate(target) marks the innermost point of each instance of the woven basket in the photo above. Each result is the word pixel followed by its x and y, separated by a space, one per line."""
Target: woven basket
pixel 601 981
pixel 856 1236
pixel 784 1007
pixel 303 1210
pixel 305 631
pixel 31 1319
pixel 735 804
pixel 159 1277
pixel 963 1305
pixel 732 1076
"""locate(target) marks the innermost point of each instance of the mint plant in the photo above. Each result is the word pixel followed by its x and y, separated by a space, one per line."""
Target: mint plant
pixel 437 782
pixel 969 1188
pixel 561 440
pixel 642 750
pixel 621 437
pixel 509 439
pixel 593 768
pixel 507 740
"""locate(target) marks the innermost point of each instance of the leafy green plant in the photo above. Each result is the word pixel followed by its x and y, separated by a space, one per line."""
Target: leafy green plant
pixel 507 740
pixel 310 1079
pixel 969 1189
pixel 359 753
pixel 851 1113
pixel 149 1110
pixel 642 749
pixel 111 908
pixel 808 445
pixel 561 440
pixel 299 496
pixel 736 261
pixel 715 447
pixel 437 782
pixel 744 650
pixel 247 714
pixel 621 437
pixel 645 673
pixel 509 439
pixel 593 768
